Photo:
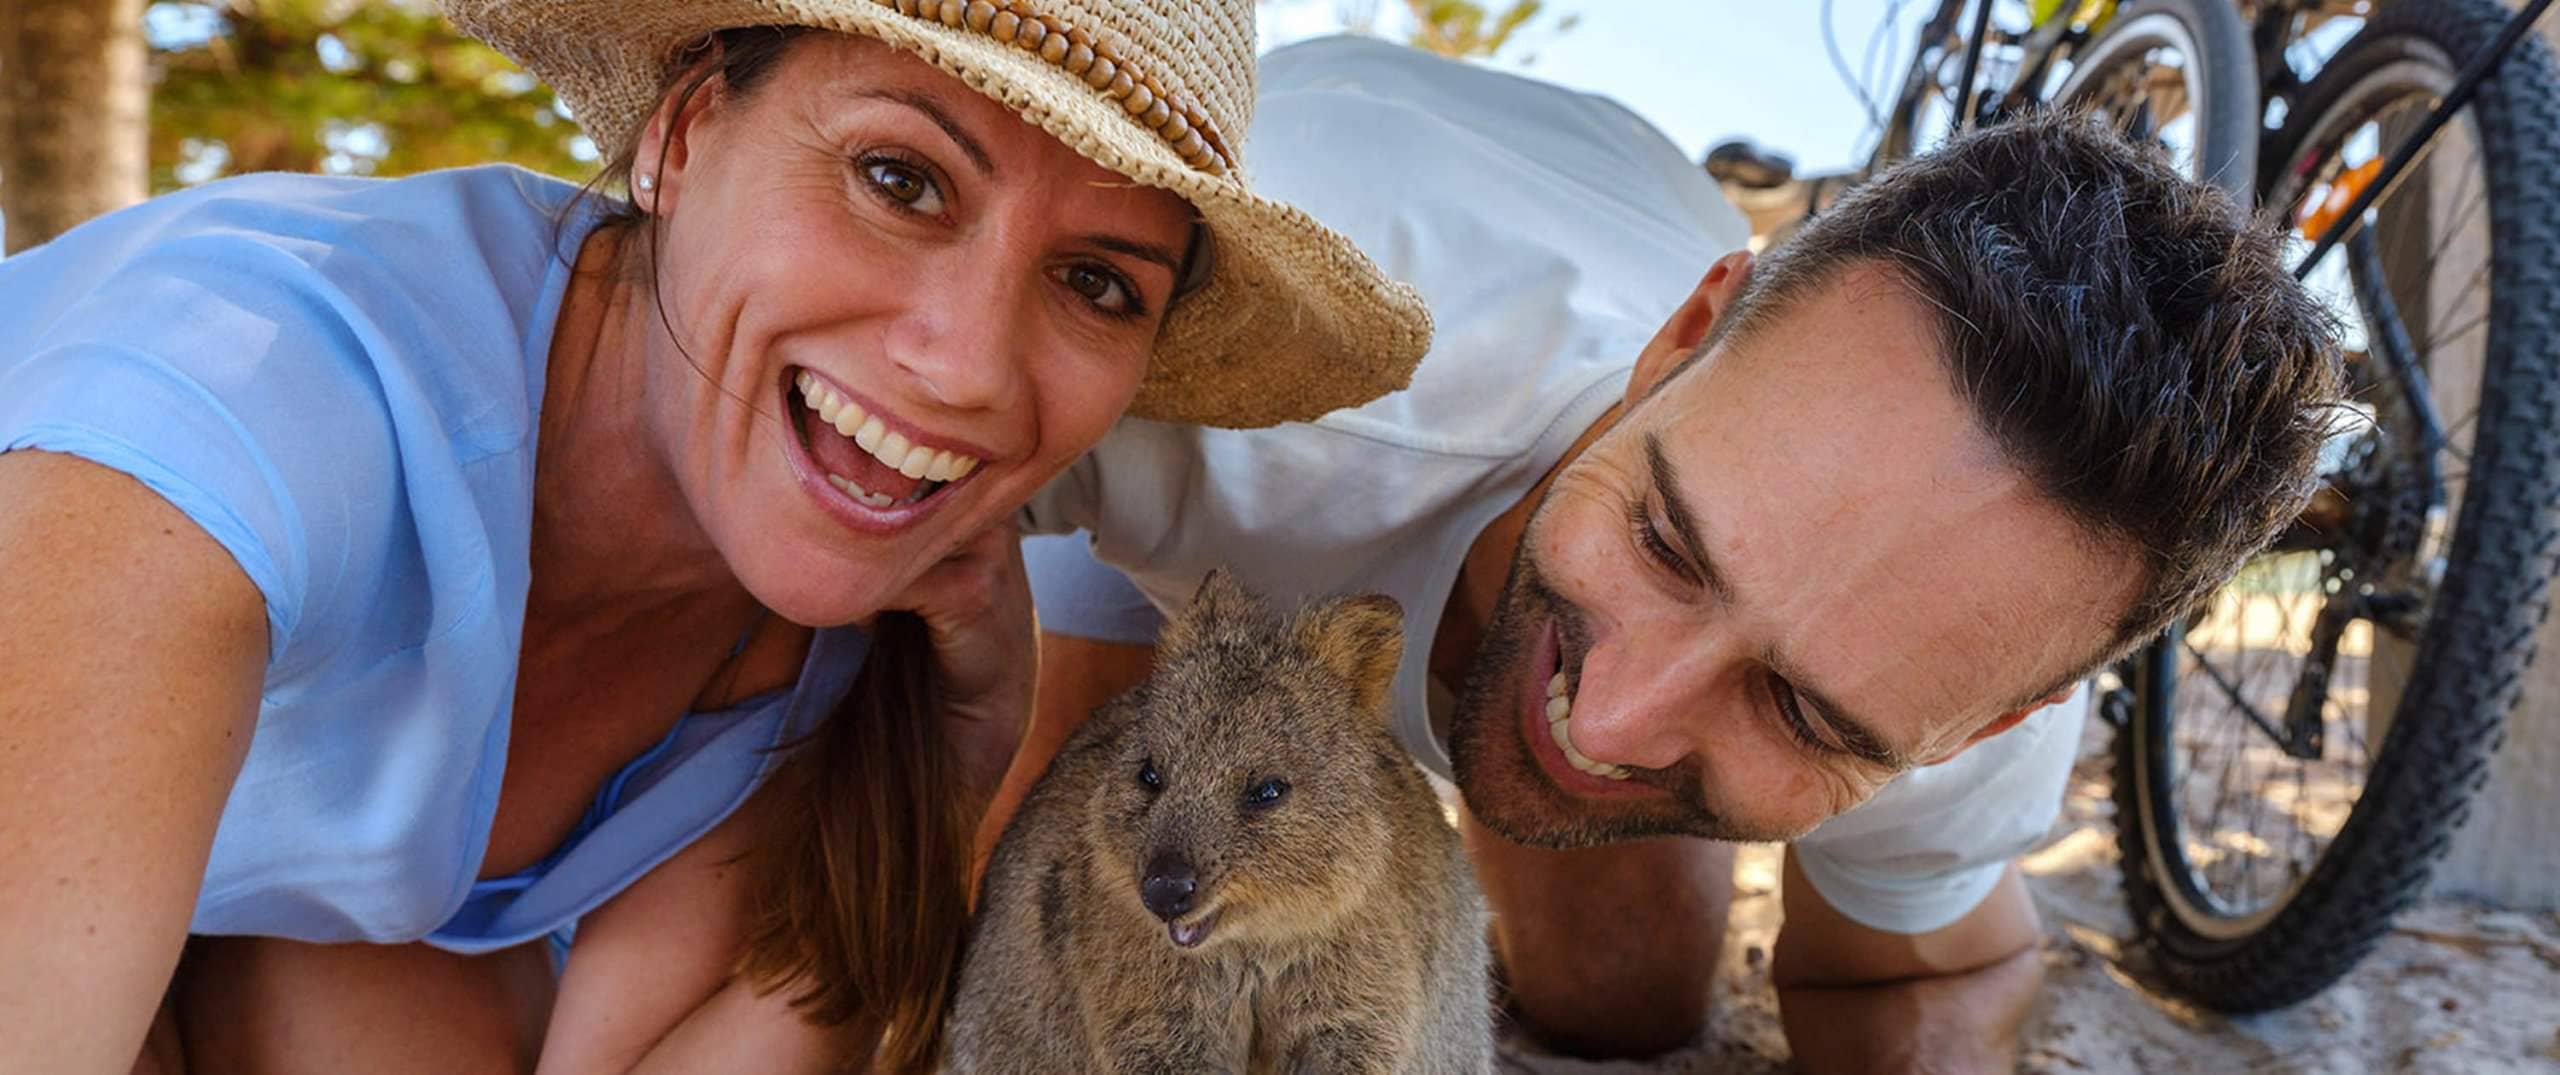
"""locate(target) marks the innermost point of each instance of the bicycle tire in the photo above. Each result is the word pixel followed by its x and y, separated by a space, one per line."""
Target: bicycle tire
pixel 2478 636
pixel 2216 42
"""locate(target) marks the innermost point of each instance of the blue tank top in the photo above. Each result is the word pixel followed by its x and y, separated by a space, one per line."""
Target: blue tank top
pixel 339 380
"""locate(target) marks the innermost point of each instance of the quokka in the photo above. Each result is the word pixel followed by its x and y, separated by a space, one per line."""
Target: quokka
pixel 1234 868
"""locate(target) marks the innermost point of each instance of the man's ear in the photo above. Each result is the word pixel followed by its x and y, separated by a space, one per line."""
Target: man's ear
pixel 1689 325
pixel 2006 721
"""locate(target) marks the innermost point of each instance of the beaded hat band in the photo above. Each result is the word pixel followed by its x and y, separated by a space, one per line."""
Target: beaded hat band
pixel 1293 320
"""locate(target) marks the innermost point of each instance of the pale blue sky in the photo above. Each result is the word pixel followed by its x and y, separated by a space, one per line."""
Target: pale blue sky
pixel 1702 70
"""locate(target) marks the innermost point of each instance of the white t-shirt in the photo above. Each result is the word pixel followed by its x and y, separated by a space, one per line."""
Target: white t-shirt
pixel 1552 233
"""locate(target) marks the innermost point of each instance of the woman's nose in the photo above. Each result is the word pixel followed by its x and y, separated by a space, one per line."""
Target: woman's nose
pixel 963 338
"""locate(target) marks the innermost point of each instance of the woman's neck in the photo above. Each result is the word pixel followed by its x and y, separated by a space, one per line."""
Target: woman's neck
pixel 615 542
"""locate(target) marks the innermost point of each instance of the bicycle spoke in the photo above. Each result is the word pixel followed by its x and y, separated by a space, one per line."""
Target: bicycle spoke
pixel 2231 691
pixel 2429 345
pixel 2461 217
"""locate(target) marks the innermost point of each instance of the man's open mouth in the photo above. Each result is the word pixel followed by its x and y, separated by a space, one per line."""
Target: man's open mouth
pixel 877 466
pixel 1563 670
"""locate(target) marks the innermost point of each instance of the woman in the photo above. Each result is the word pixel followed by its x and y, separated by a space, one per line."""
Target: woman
pixel 416 563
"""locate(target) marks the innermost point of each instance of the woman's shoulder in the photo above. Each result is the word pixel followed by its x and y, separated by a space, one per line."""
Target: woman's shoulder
pixel 339 379
pixel 446 281
pixel 416 232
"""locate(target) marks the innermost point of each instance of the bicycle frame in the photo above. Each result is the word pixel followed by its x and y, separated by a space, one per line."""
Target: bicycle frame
pixel 2465 86
pixel 2061 27
pixel 2054 33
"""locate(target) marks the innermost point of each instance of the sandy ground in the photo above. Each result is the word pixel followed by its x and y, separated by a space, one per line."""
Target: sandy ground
pixel 2454 989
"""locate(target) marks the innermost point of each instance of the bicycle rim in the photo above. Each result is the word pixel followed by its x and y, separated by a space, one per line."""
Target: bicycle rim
pixel 2177 73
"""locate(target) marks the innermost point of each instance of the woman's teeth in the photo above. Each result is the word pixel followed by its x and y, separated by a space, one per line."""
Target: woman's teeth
pixel 1559 715
pixel 891 449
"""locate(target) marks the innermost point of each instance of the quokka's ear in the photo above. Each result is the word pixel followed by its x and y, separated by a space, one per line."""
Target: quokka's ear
pixel 1360 639
pixel 1220 600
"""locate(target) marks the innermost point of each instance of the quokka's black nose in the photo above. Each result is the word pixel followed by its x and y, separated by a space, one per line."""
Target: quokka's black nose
pixel 1169 885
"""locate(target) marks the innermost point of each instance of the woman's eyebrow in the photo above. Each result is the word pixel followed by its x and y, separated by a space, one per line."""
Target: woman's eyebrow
pixel 933 110
pixel 1141 251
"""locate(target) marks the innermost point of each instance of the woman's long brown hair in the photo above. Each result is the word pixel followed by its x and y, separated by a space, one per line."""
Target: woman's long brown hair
pixel 861 884
pixel 860 876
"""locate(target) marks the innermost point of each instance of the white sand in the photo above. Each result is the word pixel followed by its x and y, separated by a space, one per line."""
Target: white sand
pixel 2454 989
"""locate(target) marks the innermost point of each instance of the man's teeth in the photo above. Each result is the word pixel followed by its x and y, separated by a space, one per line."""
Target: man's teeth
pixel 1559 715
pixel 890 448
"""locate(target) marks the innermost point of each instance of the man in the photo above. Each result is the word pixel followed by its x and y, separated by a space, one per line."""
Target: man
pixel 1807 551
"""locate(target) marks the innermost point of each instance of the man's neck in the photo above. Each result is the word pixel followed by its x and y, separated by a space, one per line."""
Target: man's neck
pixel 1478 591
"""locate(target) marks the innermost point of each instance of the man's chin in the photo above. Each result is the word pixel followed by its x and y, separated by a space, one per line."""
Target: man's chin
pixel 1506 793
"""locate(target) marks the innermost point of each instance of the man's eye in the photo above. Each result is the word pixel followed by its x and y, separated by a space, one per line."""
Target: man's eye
pixel 1650 536
pixel 1791 713
pixel 904 185
pixel 1106 290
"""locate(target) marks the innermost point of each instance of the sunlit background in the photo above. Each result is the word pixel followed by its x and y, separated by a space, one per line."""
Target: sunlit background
pixel 384 87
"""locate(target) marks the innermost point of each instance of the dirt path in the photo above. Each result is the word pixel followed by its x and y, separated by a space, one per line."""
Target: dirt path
pixel 2455 989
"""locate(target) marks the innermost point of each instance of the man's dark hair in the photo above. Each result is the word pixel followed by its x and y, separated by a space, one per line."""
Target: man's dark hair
pixel 2129 340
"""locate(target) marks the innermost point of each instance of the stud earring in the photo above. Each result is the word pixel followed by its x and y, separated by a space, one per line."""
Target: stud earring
pixel 646 181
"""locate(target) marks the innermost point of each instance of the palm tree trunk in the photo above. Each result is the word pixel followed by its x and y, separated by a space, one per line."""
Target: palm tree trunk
pixel 74 110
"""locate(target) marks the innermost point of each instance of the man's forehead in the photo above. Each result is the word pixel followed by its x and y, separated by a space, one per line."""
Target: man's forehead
pixel 1901 564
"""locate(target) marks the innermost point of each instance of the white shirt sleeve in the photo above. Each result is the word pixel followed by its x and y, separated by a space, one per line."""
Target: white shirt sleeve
pixel 1927 849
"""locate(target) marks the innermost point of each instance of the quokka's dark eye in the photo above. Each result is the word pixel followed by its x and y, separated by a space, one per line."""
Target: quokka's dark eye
pixel 1147 776
pixel 1265 795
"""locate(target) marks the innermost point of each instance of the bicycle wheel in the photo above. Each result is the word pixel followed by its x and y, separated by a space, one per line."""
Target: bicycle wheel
pixel 2180 73
pixel 2294 758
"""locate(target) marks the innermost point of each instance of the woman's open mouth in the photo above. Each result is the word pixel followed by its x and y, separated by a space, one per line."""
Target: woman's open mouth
pixel 871 460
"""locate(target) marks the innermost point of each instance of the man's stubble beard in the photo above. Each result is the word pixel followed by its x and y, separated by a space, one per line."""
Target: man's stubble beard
pixel 1502 782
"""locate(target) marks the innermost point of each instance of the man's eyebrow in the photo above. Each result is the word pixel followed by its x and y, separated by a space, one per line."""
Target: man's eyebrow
pixel 1856 736
pixel 941 117
pixel 1684 523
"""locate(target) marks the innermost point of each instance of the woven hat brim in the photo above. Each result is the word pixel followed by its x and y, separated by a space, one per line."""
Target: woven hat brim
pixel 1294 321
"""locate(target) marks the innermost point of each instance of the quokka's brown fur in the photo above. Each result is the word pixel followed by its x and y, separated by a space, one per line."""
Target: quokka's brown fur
pixel 1344 929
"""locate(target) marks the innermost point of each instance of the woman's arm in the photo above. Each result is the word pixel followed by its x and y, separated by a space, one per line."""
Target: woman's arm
pixel 132 649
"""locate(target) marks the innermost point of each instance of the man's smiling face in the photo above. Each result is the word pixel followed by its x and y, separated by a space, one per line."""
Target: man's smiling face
pixel 1796 569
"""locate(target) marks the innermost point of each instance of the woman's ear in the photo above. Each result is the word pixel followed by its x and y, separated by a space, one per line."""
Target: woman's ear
pixel 658 161
pixel 1689 325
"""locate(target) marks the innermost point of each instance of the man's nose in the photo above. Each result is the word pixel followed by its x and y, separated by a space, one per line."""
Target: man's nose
pixel 1643 705
pixel 964 338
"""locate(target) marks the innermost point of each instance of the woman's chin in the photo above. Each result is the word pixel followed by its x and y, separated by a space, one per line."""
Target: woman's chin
pixel 826 591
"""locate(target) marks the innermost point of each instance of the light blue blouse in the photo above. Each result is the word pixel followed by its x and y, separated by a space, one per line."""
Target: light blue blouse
pixel 340 380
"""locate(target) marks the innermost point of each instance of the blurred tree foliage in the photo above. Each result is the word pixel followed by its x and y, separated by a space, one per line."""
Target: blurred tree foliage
pixel 387 87
pixel 366 87
pixel 1467 30
pixel 1459 29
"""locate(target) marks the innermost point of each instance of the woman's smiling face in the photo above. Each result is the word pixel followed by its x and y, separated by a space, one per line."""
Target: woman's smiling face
pixel 892 311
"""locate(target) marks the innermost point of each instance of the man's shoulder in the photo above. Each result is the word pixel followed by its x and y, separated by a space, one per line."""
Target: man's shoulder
pixel 1434 132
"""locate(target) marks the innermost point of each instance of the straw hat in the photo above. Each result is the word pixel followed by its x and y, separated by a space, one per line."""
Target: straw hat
pixel 1294 321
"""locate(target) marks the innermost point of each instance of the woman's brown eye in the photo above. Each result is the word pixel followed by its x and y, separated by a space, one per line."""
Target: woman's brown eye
pixel 1103 289
pixel 908 187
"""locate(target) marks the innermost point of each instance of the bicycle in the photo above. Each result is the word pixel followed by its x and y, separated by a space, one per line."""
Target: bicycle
pixel 2353 680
